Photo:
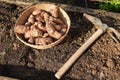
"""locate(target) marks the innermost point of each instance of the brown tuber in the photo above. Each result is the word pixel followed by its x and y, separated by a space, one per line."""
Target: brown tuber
pixel 63 30
pixel 52 32
pixel 43 41
pixel 46 17
pixel 55 12
pixel 31 40
pixel 31 19
pixel 45 35
pixel 36 12
pixel 41 27
pixel 21 29
pixel 39 18
pixel 58 27
pixel 28 24
pixel 34 32
pixel 56 20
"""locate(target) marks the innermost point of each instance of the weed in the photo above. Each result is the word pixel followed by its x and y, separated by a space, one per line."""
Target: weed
pixel 111 5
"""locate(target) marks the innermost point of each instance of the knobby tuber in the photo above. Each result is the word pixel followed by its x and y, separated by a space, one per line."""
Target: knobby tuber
pixel 36 12
pixel 42 27
pixel 63 30
pixel 43 41
pixel 34 32
pixel 46 17
pixel 39 18
pixel 21 29
pixel 56 20
pixel 28 24
pixel 45 35
pixel 31 19
pixel 31 40
pixel 52 32
pixel 55 12
pixel 58 27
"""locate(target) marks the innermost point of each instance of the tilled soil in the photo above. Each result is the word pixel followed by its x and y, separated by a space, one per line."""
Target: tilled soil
pixel 101 61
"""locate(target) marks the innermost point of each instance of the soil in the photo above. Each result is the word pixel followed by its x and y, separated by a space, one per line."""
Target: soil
pixel 101 61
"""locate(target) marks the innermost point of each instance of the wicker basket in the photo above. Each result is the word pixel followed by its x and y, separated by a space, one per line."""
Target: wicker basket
pixel 24 16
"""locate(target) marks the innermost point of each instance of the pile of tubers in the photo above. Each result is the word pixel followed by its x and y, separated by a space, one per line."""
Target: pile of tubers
pixel 42 27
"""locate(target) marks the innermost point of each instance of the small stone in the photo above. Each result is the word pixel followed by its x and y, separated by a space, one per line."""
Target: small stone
pixel 110 63
pixel 117 53
pixel 2 53
pixel 118 49
pixel 89 77
pixel 36 12
pixel 94 72
pixel 105 68
pixel 102 75
pixel 31 57
pixel 31 64
pixel 15 46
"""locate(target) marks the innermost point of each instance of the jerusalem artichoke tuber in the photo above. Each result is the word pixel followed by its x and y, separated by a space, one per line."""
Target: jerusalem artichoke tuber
pixel 45 35
pixel 28 24
pixel 39 18
pixel 58 27
pixel 55 12
pixel 46 17
pixel 31 40
pixel 63 30
pixel 52 32
pixel 56 20
pixel 31 19
pixel 57 35
pixel 41 27
pixel 21 29
pixel 36 12
pixel 33 32
pixel 43 41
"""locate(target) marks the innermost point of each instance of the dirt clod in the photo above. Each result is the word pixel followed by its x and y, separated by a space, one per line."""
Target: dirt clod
pixel 110 63
pixel 94 72
pixel 102 75
pixel 15 46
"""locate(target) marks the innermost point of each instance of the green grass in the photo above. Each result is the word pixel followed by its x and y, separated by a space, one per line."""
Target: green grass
pixel 111 5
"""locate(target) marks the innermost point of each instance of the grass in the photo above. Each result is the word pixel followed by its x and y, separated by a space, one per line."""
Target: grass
pixel 111 5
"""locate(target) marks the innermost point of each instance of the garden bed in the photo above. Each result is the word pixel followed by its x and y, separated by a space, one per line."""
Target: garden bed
pixel 100 61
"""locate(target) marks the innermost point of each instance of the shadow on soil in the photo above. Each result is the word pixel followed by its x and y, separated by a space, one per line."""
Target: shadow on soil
pixel 80 3
pixel 27 73
pixel 78 26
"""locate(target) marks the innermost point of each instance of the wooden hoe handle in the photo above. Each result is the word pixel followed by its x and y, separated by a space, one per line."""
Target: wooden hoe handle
pixel 77 54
